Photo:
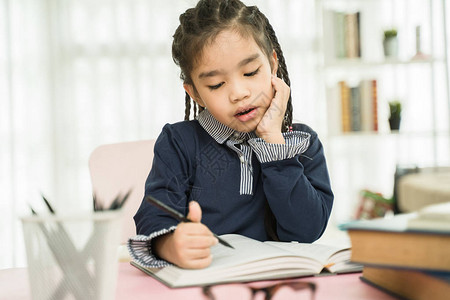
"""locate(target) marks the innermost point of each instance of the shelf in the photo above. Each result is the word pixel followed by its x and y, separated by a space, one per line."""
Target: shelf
pixel 361 63
pixel 393 134
pixel 367 159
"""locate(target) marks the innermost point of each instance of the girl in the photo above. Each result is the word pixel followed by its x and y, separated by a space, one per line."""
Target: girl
pixel 248 168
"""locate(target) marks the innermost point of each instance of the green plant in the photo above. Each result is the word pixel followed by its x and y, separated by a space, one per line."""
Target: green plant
pixel 395 108
pixel 391 33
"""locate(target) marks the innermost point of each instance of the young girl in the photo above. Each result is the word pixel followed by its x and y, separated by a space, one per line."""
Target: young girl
pixel 248 168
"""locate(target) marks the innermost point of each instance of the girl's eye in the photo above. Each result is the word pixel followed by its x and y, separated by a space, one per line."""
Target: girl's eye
pixel 215 87
pixel 252 73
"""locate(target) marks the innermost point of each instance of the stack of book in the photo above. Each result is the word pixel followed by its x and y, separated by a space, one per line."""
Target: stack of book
pixel 353 108
pixel 344 40
pixel 407 255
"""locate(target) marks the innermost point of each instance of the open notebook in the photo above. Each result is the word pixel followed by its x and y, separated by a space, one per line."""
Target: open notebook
pixel 253 260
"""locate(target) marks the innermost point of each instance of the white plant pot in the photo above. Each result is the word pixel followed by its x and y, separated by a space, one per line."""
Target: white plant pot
pixel 390 46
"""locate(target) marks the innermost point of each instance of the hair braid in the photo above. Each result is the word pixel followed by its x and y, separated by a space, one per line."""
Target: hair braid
pixel 187 110
pixel 195 109
pixel 282 73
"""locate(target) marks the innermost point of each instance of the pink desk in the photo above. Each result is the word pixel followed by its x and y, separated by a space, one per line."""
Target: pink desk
pixel 134 284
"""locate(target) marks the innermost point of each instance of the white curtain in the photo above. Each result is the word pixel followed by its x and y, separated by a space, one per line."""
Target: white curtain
pixel 75 74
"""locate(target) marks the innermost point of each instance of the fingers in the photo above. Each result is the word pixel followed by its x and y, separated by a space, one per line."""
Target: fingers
pixel 198 263
pixel 281 95
pixel 195 212
pixel 192 242
pixel 189 245
pixel 269 128
pixel 196 231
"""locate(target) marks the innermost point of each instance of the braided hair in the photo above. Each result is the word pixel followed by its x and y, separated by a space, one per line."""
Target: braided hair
pixel 201 24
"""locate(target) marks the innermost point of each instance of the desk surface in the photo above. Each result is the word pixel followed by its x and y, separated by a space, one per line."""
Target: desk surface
pixel 134 284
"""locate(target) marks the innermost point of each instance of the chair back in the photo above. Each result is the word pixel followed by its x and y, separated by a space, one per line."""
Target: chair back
pixel 118 168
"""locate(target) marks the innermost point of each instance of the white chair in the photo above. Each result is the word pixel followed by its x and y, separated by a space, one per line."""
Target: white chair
pixel 116 169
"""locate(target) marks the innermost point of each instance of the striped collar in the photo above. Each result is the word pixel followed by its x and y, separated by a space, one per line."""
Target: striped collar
pixel 221 132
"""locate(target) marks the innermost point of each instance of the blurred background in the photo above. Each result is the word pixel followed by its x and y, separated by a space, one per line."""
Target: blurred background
pixel 76 74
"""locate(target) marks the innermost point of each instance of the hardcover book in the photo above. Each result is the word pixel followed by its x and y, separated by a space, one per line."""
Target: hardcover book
pixel 393 242
pixel 410 284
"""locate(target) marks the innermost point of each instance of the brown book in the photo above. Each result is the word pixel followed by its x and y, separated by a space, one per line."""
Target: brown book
pixel 410 284
pixel 345 106
pixel 375 105
pixel 389 242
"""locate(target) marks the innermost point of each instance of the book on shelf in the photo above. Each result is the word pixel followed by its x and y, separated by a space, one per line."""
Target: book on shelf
pixel 392 242
pixel 352 108
pixel 352 47
pixel 345 106
pixel 368 105
pixel 408 283
pixel 358 34
pixel 355 108
pixel 334 46
pixel 334 109
pixel 339 33
pixel 374 98
pixel 342 34
pixel 252 260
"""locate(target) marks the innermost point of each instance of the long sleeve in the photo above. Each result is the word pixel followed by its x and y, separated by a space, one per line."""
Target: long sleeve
pixel 193 164
pixel 168 181
pixel 298 189
pixel 140 249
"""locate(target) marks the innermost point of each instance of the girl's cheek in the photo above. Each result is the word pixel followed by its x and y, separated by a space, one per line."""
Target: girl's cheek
pixel 268 99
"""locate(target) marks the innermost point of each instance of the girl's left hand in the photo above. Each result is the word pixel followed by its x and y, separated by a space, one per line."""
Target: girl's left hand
pixel 269 128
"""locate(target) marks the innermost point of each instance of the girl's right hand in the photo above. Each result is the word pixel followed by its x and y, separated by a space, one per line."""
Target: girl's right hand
pixel 269 128
pixel 189 245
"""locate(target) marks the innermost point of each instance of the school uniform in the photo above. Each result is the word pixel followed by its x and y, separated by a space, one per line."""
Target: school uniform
pixel 232 175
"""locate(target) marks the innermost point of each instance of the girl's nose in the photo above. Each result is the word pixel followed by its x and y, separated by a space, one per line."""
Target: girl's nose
pixel 238 91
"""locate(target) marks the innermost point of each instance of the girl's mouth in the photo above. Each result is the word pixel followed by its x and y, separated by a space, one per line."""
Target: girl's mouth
pixel 247 114
pixel 242 113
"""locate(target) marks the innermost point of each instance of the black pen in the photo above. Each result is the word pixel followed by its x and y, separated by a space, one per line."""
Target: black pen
pixel 179 216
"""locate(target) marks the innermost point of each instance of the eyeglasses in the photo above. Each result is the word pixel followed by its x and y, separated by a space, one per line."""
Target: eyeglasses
pixel 279 291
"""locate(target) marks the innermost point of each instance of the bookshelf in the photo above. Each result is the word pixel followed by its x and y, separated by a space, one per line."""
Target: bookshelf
pixel 362 157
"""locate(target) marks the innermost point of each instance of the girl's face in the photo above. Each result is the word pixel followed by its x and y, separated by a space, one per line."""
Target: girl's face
pixel 233 81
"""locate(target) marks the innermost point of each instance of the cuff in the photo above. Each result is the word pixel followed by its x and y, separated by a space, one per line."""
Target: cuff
pixel 140 249
pixel 297 142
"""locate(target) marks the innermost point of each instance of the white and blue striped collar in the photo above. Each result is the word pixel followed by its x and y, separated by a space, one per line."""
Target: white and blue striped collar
pixel 219 131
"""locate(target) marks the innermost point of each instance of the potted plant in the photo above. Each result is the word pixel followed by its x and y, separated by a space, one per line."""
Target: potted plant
pixel 390 43
pixel 395 116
